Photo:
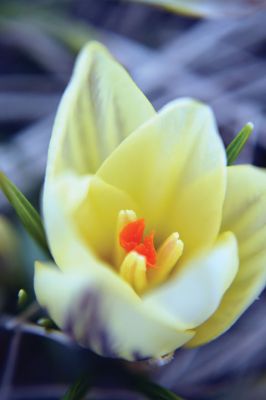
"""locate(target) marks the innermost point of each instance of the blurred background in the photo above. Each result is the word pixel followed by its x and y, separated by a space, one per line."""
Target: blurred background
pixel 218 56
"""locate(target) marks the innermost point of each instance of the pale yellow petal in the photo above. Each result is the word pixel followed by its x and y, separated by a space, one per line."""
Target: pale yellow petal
pixel 82 208
pixel 245 215
pixel 194 294
pixel 105 314
pixel 100 107
pixel 96 217
pixel 173 167
pixel 64 240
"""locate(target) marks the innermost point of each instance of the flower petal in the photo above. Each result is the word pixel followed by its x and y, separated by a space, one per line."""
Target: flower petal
pixel 194 294
pixel 173 167
pixel 58 204
pixel 100 107
pixel 96 217
pixel 245 215
pixel 105 315
pixel 82 209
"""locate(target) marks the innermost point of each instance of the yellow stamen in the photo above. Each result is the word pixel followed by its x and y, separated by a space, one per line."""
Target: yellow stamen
pixel 132 262
pixel 133 270
pixel 167 256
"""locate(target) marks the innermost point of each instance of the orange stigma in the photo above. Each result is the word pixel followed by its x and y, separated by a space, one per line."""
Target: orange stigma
pixel 147 249
pixel 131 235
pixel 131 238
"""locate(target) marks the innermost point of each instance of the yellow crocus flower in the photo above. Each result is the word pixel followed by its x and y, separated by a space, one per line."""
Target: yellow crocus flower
pixel 156 242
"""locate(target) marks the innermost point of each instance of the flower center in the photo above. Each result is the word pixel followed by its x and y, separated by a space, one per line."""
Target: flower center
pixel 131 238
pixel 136 258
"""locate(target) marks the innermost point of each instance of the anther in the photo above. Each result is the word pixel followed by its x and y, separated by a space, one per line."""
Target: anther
pixel 133 270
pixel 167 257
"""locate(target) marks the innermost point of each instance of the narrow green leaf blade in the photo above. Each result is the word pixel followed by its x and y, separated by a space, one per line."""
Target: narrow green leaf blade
pixel 153 391
pixel 22 298
pixel 27 214
pixel 136 383
pixel 79 389
pixel 236 146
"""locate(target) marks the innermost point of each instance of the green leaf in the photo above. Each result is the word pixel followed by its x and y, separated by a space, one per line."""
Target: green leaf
pixel 27 214
pixel 152 390
pixel 73 33
pixel 205 8
pixel 79 389
pixel 46 323
pixel 22 298
pixel 136 383
pixel 236 146
pixel 52 19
